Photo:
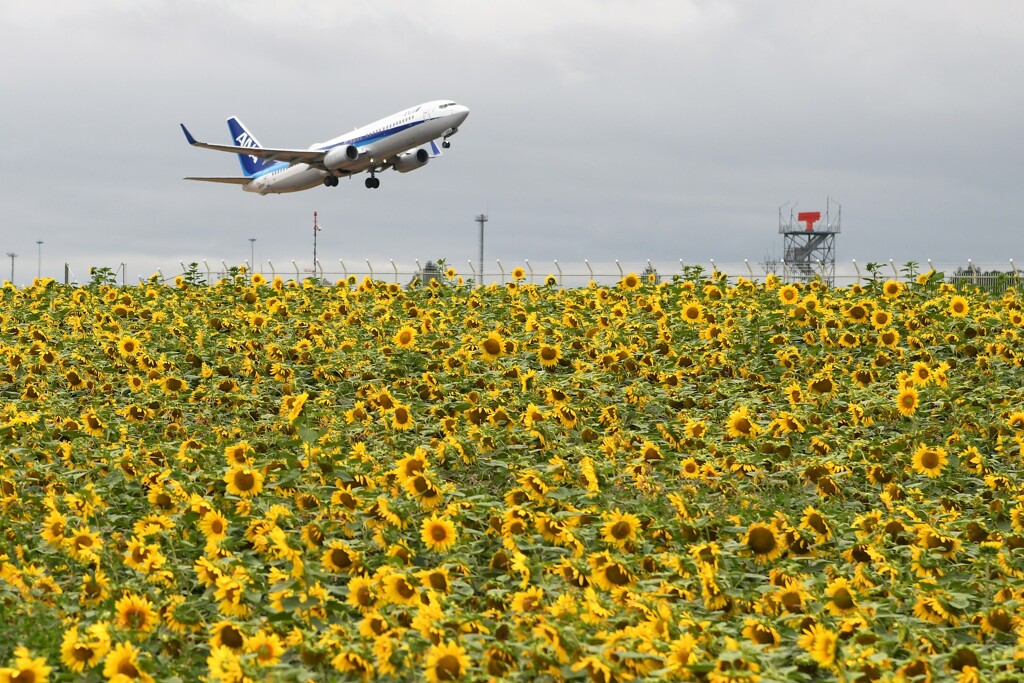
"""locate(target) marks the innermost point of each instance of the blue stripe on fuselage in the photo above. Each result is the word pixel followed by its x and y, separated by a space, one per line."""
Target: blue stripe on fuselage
pixel 367 139
pixel 370 138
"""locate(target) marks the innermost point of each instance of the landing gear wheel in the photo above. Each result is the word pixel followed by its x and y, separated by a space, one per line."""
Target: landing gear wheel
pixel 331 181
pixel 372 183
pixel 446 144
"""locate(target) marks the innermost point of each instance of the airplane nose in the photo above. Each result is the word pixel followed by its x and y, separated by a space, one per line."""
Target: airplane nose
pixel 459 114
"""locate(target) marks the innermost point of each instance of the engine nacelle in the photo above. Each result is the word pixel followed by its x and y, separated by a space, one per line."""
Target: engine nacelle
pixel 339 157
pixel 410 161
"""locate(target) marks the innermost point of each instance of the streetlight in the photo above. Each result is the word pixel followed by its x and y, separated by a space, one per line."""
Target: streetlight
pixel 252 259
pixel 13 256
pixel 481 219
pixel 39 273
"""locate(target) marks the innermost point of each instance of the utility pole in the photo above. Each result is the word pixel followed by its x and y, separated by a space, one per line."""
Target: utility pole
pixel 252 252
pixel 316 229
pixel 13 256
pixel 481 219
pixel 39 273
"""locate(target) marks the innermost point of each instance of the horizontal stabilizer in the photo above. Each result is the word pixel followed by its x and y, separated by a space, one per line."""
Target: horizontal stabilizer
pixel 231 181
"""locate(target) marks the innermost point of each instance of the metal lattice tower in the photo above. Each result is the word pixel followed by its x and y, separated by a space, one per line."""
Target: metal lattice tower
pixel 810 250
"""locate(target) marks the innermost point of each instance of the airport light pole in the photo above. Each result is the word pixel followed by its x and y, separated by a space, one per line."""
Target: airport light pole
pixel 13 256
pixel 252 252
pixel 481 219
pixel 316 229
pixel 39 271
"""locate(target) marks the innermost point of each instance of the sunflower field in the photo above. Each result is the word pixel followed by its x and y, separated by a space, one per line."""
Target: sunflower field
pixel 696 480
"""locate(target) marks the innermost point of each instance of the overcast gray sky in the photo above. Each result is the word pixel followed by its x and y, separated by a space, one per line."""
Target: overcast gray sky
pixel 598 130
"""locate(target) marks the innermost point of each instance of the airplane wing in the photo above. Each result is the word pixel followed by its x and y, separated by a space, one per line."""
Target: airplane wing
pixel 291 156
pixel 232 181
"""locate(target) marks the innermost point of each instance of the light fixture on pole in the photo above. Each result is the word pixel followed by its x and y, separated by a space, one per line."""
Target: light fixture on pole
pixel 39 273
pixel 252 252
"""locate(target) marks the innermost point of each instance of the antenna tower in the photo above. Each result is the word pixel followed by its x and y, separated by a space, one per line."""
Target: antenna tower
pixel 810 245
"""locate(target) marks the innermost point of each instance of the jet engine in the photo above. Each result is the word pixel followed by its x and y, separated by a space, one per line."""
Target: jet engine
pixel 410 161
pixel 340 157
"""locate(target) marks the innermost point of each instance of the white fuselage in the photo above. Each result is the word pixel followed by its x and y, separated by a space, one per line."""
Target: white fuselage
pixel 378 143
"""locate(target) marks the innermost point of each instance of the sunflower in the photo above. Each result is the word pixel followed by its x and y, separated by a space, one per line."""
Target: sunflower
pixel 445 661
pixel 401 417
pixel 789 295
pixel 361 594
pixel 693 312
pixel 906 401
pixel 760 633
pixel 438 534
pixel 814 522
pixel 630 282
pixel 91 423
pixel 892 289
pixel 128 345
pixel 136 613
pixel 78 653
pixel 1015 421
pixel 518 273
pixel 921 374
pixel 26 668
pixel 214 526
pixel 958 307
pixel 841 597
pixel 620 528
pixel 740 424
pixel 929 461
pixel 405 338
pixel 292 406
pixel 608 573
pixel 549 355
pixel 888 338
pixel 492 346
pixel 83 544
pixel 399 589
pixel 267 647
pixel 122 662
pixel 820 643
pixel 762 543
pixel 243 481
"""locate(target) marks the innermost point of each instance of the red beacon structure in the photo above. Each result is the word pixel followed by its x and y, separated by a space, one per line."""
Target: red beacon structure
pixel 810 245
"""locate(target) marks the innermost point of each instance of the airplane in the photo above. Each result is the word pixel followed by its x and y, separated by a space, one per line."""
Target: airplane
pixel 403 141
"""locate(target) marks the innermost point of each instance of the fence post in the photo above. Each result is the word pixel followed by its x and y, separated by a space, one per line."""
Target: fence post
pixel 344 271
pixel 298 277
pixel 318 268
pixel 273 271
pixel 559 269
pixel 368 265
pixel 530 268
pixel 394 268
pixel 589 269
pixel 714 268
pixel 785 274
pixel 749 269
pixel 857 268
pixel 619 266
pixel 502 269
pixel 893 266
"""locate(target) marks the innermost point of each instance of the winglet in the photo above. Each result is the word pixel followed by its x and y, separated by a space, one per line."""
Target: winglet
pixel 188 136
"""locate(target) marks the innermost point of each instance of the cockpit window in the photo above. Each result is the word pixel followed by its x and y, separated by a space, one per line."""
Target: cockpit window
pixel 447 104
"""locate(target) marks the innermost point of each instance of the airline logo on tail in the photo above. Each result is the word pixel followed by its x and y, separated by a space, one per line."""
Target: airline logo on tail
pixel 251 164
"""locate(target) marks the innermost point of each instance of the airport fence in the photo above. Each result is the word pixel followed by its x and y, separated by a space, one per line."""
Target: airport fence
pixel 990 275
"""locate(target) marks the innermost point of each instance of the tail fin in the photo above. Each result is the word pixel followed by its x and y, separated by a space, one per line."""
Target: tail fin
pixel 251 165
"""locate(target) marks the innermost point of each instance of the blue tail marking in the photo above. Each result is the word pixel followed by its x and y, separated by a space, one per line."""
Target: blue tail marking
pixel 251 165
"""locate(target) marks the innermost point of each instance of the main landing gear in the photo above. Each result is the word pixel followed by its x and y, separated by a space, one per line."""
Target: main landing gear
pixel 372 183
pixel 331 181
